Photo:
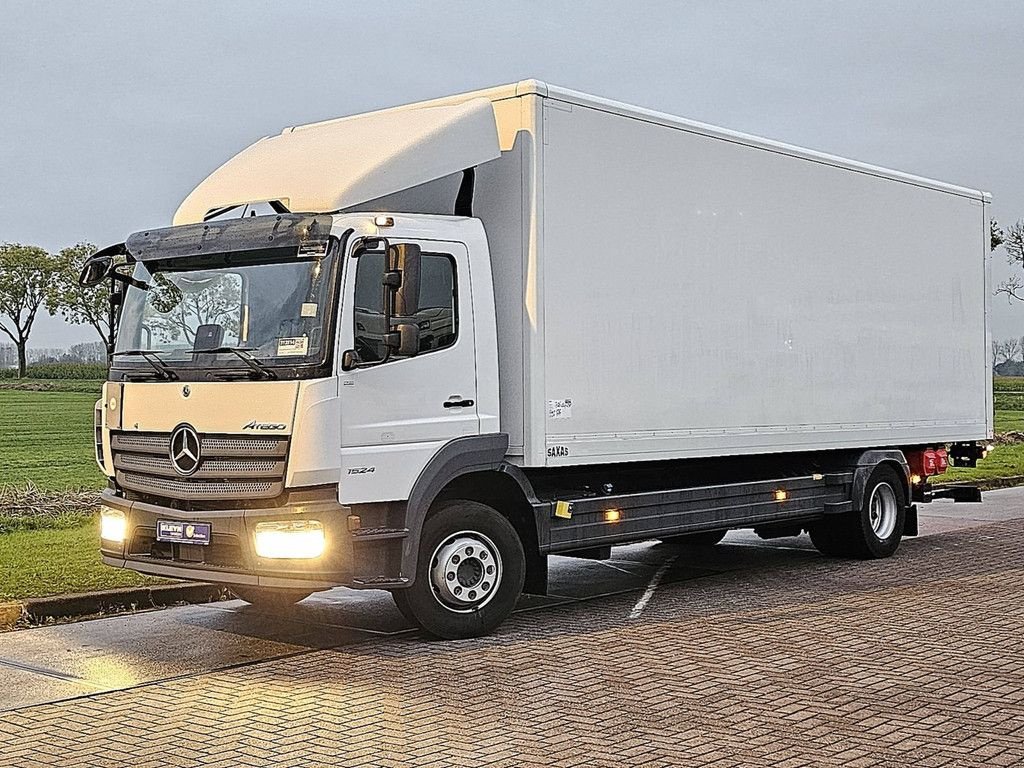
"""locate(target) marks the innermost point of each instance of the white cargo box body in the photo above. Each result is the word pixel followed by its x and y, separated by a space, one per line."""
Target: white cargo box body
pixel 666 289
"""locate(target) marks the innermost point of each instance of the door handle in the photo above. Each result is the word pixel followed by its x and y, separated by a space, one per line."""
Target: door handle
pixel 458 403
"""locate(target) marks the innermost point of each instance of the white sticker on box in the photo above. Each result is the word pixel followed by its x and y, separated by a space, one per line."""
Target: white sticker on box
pixel 309 309
pixel 560 409
pixel 292 346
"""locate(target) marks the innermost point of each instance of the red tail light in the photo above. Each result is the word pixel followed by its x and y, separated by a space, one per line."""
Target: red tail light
pixel 930 461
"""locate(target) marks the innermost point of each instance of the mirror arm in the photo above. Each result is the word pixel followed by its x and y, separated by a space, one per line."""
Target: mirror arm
pixel 129 280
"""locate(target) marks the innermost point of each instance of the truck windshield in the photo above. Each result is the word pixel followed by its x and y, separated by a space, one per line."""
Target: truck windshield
pixel 230 314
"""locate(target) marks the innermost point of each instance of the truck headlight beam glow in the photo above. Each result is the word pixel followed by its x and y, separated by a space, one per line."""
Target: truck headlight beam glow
pixel 113 525
pixel 290 540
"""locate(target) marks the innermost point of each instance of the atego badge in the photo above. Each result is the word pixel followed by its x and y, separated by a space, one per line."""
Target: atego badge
pixel 184 449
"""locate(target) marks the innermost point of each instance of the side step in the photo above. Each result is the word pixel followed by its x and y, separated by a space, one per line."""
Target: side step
pixel 380 582
pixel 378 534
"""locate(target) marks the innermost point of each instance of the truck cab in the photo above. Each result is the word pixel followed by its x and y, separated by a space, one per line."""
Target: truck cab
pixel 274 373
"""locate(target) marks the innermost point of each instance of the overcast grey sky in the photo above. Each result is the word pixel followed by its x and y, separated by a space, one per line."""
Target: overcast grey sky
pixel 111 113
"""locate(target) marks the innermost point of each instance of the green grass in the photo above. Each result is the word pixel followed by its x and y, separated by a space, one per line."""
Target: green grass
pixel 1006 460
pixel 56 562
pixel 46 439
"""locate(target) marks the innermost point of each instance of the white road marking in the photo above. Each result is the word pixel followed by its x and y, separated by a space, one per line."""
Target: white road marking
pixel 649 592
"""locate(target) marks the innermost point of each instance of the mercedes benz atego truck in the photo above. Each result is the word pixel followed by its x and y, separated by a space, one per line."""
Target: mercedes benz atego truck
pixel 422 349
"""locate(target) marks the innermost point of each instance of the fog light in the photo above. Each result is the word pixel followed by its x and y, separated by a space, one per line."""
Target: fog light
pixel 290 539
pixel 113 524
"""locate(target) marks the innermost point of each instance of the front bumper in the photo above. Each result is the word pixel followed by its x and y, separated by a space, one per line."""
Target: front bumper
pixel 230 558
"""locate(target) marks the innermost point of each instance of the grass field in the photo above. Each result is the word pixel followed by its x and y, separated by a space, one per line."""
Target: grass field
pixel 46 438
pixel 56 562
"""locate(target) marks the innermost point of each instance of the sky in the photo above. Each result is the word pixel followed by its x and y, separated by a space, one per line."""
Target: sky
pixel 111 113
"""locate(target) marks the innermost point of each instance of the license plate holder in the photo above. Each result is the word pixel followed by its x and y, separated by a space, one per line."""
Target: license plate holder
pixel 184 532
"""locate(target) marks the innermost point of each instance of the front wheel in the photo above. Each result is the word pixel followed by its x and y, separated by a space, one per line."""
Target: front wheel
pixel 469 572
pixel 873 531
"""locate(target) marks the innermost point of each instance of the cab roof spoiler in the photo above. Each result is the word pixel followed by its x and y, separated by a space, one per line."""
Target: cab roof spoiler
pixel 305 232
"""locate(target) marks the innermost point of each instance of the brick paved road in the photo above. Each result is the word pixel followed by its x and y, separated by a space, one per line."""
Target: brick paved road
pixel 917 660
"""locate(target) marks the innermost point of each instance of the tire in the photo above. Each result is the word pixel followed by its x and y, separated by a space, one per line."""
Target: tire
pixel 269 598
pixel 401 598
pixel 702 539
pixel 875 530
pixel 454 594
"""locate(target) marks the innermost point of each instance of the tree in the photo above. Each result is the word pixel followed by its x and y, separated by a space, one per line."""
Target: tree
pixel 25 283
pixel 1013 240
pixel 995 235
pixel 1005 351
pixel 76 304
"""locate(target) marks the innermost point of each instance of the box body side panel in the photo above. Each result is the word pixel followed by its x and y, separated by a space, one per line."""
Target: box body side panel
pixel 702 297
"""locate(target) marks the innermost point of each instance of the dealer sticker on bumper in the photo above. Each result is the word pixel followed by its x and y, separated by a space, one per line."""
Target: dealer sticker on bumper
pixel 183 532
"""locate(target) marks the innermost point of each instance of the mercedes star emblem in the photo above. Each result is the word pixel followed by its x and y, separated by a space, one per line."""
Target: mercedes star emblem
pixel 184 450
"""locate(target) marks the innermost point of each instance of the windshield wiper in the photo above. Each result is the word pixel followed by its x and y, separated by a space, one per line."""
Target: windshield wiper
pixel 151 357
pixel 243 354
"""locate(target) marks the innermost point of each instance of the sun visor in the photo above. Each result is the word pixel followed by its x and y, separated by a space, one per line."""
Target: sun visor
pixel 340 163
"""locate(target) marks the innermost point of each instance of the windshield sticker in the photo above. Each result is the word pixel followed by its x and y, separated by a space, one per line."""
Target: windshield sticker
pixel 293 346
pixel 560 409
pixel 308 309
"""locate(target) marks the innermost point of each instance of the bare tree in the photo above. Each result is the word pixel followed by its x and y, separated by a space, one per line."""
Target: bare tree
pixel 1013 240
pixel 1006 351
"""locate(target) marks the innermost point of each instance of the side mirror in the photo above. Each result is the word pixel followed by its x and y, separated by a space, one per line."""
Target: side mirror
pixel 95 271
pixel 349 360
pixel 405 258
pixel 408 339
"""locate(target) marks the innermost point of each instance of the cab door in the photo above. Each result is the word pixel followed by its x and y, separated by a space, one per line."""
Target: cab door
pixel 397 411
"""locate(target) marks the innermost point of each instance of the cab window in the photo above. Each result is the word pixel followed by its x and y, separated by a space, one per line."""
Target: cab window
pixel 438 311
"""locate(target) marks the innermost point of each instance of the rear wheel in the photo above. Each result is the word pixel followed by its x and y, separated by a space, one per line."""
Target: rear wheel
pixel 873 531
pixel 469 573
pixel 266 597
pixel 702 539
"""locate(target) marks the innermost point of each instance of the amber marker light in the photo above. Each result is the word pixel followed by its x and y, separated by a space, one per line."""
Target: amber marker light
pixel 781 495
pixel 612 515
pixel 915 479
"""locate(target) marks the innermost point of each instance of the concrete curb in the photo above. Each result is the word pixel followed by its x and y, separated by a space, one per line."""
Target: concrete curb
pixel 988 484
pixel 38 609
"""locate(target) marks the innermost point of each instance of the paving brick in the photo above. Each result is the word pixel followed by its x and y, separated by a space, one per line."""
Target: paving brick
pixel 908 661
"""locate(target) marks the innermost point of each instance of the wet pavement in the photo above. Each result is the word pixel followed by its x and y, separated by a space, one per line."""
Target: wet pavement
pixel 192 657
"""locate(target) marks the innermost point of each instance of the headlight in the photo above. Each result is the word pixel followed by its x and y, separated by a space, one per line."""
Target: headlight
pixel 290 539
pixel 113 524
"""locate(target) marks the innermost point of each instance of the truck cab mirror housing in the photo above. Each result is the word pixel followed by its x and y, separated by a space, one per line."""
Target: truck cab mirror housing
pixel 405 339
pixel 95 271
pixel 349 360
pixel 405 259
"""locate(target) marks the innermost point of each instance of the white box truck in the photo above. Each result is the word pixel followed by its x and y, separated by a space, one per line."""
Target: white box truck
pixel 424 348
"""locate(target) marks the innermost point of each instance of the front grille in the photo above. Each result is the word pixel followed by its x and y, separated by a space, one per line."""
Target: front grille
pixel 230 467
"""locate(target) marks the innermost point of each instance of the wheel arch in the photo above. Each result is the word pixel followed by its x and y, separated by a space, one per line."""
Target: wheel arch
pixel 869 461
pixel 474 468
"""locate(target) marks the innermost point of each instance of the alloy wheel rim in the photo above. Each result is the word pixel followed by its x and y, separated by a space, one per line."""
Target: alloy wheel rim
pixel 465 571
pixel 882 511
